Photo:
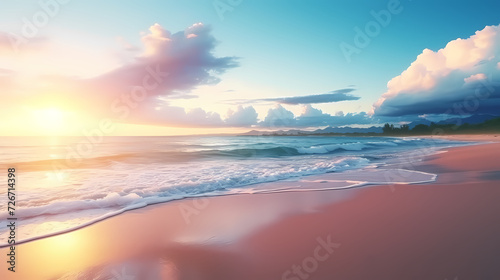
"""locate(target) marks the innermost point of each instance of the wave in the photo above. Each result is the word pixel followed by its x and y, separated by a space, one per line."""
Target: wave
pixel 213 151
pixel 150 174
pixel 380 178
pixel 88 211
pixel 231 179
pixel 333 147
pixel 74 161
pixel 260 152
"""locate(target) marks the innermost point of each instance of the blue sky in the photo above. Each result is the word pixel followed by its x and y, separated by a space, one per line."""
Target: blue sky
pixel 284 48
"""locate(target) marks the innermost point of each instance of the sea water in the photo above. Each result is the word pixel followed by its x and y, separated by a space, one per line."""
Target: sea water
pixel 64 183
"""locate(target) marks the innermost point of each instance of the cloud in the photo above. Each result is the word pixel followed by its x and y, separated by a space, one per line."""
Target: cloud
pixel 164 114
pixel 333 96
pixel 176 62
pixel 313 117
pixel 311 112
pixel 169 65
pixel 180 95
pixel 461 78
pixel 242 116
pixel 475 77
pixel 175 116
pixel 278 116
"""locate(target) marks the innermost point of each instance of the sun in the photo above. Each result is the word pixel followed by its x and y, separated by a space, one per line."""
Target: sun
pixel 50 120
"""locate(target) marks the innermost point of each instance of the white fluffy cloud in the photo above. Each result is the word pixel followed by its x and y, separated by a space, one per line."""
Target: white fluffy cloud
pixel 313 117
pixel 180 117
pixel 475 77
pixel 465 69
pixel 175 116
pixel 309 111
pixel 242 116
pixel 184 60
pixel 278 116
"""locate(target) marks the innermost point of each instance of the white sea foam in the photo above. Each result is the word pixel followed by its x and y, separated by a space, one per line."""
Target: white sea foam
pixel 330 148
pixel 52 202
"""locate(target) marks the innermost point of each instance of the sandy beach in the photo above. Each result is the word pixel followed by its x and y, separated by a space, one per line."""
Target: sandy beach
pixel 447 229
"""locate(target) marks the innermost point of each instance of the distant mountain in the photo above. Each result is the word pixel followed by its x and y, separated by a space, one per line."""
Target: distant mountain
pixel 287 132
pixel 373 129
pixel 474 119
pixel 280 132
pixel 253 133
pixel 347 129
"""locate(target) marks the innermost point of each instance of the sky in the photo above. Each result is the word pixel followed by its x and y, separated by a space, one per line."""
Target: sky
pixel 70 67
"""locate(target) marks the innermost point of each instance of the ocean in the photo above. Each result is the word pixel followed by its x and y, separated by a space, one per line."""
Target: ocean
pixel 63 183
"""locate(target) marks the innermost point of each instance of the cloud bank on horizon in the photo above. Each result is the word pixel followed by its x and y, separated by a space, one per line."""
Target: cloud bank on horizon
pixel 461 78
pixel 312 117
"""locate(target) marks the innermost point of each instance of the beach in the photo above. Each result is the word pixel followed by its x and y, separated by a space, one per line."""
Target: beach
pixel 250 140
pixel 447 229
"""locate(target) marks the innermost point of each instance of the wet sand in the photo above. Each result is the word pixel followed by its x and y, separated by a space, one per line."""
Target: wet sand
pixel 448 229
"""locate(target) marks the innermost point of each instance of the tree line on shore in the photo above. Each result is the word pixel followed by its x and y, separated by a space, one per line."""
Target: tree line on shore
pixel 489 126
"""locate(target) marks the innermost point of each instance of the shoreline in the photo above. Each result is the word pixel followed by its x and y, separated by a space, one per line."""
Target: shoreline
pixel 319 177
pixel 181 235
